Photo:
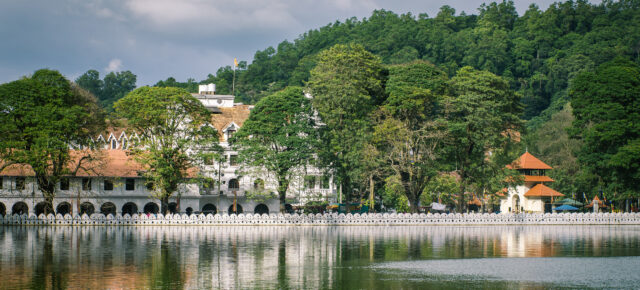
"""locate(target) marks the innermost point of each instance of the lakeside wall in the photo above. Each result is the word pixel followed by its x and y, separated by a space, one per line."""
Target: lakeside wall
pixel 329 219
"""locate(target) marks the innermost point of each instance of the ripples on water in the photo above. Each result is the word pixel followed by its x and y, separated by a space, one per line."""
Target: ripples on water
pixel 370 257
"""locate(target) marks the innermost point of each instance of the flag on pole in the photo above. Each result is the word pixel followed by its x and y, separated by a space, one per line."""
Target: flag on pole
pixel 235 62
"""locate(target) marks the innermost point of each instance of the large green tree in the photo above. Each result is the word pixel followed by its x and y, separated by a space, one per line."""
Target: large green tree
pixel 483 120
pixel 175 136
pixel 279 136
pixel 409 132
pixel 42 118
pixel 346 85
pixel 606 106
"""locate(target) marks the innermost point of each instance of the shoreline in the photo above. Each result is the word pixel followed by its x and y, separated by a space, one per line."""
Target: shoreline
pixel 333 219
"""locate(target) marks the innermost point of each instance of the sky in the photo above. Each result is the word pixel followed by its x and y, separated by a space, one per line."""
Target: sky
pixel 157 39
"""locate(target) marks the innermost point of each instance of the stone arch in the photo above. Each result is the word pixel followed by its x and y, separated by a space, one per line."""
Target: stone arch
pixel 209 209
pixel 151 207
pixel 129 208
pixel 64 208
pixel 516 203
pixel 20 208
pixel 87 208
pixel 108 208
pixel 173 207
pixel 41 208
pixel 3 208
pixel 261 209
pixel 238 209
pixel 288 208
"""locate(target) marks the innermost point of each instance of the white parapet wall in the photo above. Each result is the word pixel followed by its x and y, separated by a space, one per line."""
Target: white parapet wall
pixel 329 219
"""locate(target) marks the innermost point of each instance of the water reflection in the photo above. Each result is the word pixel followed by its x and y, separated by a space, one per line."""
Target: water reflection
pixel 274 257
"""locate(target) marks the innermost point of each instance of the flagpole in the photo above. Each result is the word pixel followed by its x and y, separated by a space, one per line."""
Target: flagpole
pixel 233 83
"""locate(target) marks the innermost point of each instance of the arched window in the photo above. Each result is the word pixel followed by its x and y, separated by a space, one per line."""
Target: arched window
pixel 114 144
pixel 233 184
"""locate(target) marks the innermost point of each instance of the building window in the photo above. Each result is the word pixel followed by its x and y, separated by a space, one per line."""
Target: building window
pixel 233 160
pixel 124 144
pixel 310 181
pixel 114 144
pixel 1 180
pixel 20 184
pixel 233 184
pixel 108 185
pixel 326 180
pixel 86 184
pixel 130 184
pixel 64 184
pixel 230 133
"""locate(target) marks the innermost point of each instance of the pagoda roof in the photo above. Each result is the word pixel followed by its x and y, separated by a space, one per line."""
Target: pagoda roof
pixel 536 178
pixel 600 203
pixel 542 190
pixel 528 161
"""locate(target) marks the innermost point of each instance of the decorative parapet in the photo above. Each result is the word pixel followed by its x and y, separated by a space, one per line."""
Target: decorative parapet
pixel 329 219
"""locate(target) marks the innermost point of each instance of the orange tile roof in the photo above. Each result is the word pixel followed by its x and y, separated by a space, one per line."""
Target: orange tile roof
pixel 107 163
pixel 533 178
pixel 475 201
pixel 542 190
pixel 237 114
pixel 600 203
pixel 528 161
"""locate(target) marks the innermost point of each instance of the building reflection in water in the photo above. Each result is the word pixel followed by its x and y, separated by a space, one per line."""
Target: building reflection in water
pixel 271 256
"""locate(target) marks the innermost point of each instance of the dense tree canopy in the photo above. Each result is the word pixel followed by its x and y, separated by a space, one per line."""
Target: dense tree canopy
pixel 113 87
pixel 606 105
pixel 538 53
pixel 175 135
pixel 482 116
pixel 279 136
pixel 346 85
pixel 41 118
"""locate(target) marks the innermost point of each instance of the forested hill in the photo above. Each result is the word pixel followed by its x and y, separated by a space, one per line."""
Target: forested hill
pixel 538 52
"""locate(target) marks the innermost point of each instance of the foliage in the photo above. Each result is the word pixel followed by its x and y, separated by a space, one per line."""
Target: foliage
pixel 409 133
pixel 552 143
pixel 538 53
pixel 482 117
pixel 346 85
pixel 440 189
pixel 41 117
pixel 174 135
pixel 393 195
pixel 279 136
pixel 606 108
pixel 113 87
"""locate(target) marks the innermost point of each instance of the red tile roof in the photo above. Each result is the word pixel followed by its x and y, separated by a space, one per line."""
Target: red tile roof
pixel 528 161
pixel 542 190
pixel 532 178
pixel 107 163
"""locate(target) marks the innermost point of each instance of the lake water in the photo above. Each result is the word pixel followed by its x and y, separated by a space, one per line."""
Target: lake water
pixel 347 257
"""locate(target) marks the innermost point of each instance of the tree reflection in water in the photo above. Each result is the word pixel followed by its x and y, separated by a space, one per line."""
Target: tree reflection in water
pixel 278 257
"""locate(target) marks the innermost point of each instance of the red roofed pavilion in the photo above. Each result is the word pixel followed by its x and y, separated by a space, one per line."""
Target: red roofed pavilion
pixel 533 195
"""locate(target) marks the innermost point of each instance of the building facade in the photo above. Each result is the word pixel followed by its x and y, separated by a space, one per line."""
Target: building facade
pixel 115 185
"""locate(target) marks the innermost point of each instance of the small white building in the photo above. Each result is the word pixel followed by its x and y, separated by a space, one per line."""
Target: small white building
pixel 532 196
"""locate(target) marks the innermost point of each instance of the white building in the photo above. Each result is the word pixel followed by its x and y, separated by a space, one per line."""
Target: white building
pixel 532 195
pixel 115 185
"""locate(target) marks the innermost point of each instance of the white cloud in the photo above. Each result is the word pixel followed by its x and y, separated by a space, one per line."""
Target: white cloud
pixel 114 65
